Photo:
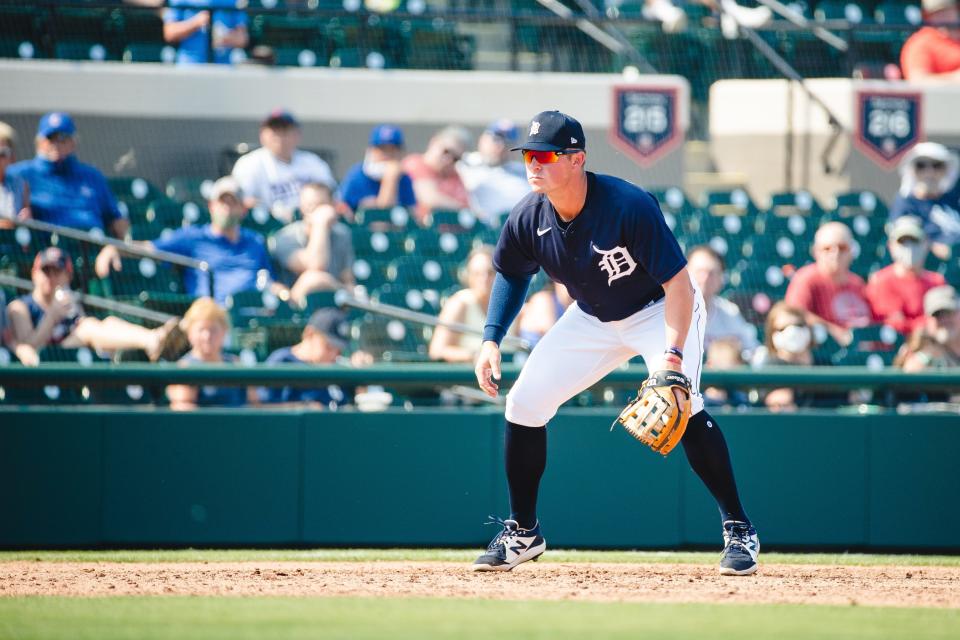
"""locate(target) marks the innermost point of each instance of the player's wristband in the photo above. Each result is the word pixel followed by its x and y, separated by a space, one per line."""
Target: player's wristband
pixel 675 351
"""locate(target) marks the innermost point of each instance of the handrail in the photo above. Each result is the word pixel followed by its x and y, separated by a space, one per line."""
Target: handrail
pixel 443 375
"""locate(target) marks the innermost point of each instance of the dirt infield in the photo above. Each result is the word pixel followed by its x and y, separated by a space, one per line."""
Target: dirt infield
pixel 807 584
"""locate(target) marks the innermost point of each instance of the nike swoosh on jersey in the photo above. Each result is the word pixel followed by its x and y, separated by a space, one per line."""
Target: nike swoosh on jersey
pixel 541 232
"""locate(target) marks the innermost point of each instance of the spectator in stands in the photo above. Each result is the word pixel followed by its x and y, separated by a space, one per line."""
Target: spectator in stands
pixel 929 190
pixel 322 342
pixel 494 182
pixel 467 306
pixel 935 345
pixel 724 320
pixel 827 291
pixel 273 175
pixel 674 19
pixel 789 342
pixel 434 172
pixel 237 256
pixel 63 190
pixel 542 311
pixel 51 315
pixel 724 353
pixel 14 191
pixel 896 291
pixel 316 253
pixel 207 324
pixel 379 181
pixel 933 52
pixel 189 29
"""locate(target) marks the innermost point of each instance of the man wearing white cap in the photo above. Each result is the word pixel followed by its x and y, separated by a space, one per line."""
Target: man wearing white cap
pixel 933 52
pixel 896 291
pixel 929 191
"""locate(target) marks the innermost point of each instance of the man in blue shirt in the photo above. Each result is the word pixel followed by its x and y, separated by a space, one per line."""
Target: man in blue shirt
pixel 930 190
pixel 238 257
pixel 322 342
pixel 379 182
pixel 63 190
pixel 190 29
pixel 606 241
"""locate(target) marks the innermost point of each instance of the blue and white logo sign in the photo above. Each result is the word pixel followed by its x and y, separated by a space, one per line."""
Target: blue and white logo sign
pixel 888 124
pixel 645 122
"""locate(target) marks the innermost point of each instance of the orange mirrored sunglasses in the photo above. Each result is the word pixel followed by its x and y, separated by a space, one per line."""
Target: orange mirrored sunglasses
pixel 546 157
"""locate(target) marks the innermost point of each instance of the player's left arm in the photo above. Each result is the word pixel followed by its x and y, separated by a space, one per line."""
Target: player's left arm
pixel 678 311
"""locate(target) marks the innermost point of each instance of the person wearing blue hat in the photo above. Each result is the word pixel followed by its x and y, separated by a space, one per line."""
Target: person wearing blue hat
pixel 63 190
pixel 273 175
pixel 378 182
pixel 189 29
pixel 494 181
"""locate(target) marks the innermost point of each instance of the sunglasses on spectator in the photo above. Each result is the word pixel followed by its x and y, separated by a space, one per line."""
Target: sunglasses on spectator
pixel 922 165
pixel 546 157
pixel 52 270
pixel 59 137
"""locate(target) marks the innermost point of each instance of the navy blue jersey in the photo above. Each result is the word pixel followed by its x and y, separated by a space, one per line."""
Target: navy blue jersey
pixel 613 257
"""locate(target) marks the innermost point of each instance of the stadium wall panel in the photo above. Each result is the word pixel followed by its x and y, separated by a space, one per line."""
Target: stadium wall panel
pixel 132 478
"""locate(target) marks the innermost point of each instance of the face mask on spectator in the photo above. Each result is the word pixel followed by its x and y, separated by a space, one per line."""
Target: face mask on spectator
pixel 909 254
pixel 792 339
pixel 224 218
pixel 374 170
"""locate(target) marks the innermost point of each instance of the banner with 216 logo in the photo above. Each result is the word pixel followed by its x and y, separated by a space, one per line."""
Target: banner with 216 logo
pixel 645 122
pixel 888 124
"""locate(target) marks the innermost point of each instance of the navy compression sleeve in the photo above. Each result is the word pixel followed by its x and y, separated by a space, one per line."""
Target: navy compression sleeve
pixel 506 298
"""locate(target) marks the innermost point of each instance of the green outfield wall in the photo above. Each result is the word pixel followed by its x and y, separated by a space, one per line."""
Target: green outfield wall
pixel 83 477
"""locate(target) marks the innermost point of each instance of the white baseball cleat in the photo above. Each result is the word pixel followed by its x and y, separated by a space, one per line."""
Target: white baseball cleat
pixel 741 546
pixel 511 547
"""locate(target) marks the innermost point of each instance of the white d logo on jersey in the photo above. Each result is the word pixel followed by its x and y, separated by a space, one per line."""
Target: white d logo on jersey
pixel 616 263
pixel 534 128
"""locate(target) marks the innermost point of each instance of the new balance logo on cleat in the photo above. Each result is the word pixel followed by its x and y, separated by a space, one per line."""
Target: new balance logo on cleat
pixel 741 546
pixel 511 547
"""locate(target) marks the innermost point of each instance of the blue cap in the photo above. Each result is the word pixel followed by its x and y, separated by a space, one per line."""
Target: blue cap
pixel 56 122
pixel 280 118
pixel 553 131
pixel 505 129
pixel 386 134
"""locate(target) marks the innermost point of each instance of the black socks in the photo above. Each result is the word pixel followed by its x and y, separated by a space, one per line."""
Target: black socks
pixel 525 455
pixel 707 453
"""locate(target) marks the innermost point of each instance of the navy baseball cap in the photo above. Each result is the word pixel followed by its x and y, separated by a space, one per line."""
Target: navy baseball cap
pixel 280 118
pixel 504 128
pixel 553 131
pixel 385 134
pixel 53 257
pixel 332 323
pixel 56 122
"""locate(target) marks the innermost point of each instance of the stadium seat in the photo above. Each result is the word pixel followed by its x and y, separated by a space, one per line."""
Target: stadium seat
pixel 756 276
pixel 300 57
pixel 149 52
pixel 430 49
pixel 395 219
pixel 139 275
pixel 132 188
pixel 82 50
pixel 417 273
pixel 794 203
pixel 378 244
pixel 165 212
pixel 445 245
pixel 260 219
pixel 392 340
pixel 725 202
pixel 853 203
pixel 412 299
pixel 898 14
pixel 19 48
pixel 455 221
pixel 675 205
pixel 287 31
pixel 186 188
pixel 254 305
pixel 370 272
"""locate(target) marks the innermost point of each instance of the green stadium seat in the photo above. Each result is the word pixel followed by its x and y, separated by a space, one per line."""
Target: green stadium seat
pixel 21 24
pixel 412 299
pixel 677 208
pixel 899 14
pixel 417 273
pixel 320 300
pixel 139 275
pixel 395 219
pixel 19 48
pixel 256 307
pixel 430 49
pixel 370 272
pixel 455 221
pixel 82 50
pixel 300 57
pixel 260 219
pixel 756 276
pixel 391 340
pixel 794 203
pixel 849 204
pixel 287 31
pixel 132 188
pixel 149 52
pixel 777 249
pixel 186 188
pixel 378 244
pixel 724 202
pixel 446 245
pixel 166 212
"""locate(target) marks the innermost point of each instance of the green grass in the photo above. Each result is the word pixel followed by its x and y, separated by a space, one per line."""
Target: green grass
pixel 239 618
pixel 458 555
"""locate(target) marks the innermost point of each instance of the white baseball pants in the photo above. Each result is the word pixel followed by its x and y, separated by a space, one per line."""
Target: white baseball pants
pixel 579 350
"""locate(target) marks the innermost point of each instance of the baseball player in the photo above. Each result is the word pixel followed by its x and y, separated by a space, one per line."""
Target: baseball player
pixel 606 240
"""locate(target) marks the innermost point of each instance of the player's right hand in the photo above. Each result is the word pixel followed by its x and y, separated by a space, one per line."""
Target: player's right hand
pixel 488 368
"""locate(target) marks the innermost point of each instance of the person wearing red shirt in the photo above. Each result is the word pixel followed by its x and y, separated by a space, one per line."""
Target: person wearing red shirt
pixel 827 290
pixel 434 173
pixel 933 52
pixel 896 291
